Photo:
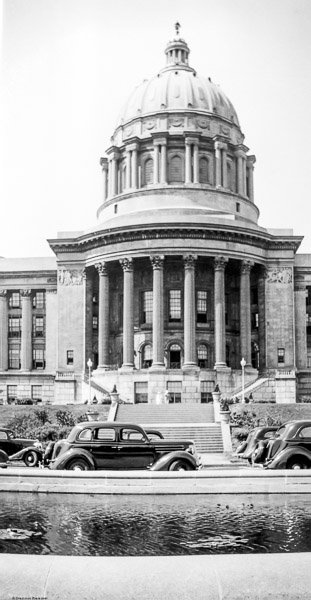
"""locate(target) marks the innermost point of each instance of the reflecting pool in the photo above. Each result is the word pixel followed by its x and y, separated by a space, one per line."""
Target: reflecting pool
pixel 95 525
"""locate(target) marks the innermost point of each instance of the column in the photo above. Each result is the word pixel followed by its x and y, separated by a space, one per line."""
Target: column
pixel 250 167
pixel 163 163
pixel 300 323
pixel 240 171
pixel 128 169
pixel 218 163
pixel 114 175
pixel 26 342
pixel 128 313
pixel 188 161
pixel 245 312
pixel 196 163
pixel 224 166
pixel 155 162
pixel 190 359
pixel 134 168
pixel 262 317
pixel 220 324
pixel 157 317
pixel 104 165
pixel 103 316
pixel 3 330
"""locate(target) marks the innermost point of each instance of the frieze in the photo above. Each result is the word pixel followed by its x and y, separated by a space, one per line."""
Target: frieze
pixel 128 132
pixel 150 124
pixel 71 277
pixel 203 123
pixel 225 130
pixel 175 122
pixel 279 275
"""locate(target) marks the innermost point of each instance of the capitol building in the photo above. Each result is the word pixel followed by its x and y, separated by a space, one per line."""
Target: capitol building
pixel 177 287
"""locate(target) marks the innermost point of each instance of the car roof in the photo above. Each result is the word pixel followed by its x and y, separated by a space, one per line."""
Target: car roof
pixel 106 424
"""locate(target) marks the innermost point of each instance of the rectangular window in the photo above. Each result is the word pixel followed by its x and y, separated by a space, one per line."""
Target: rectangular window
pixel 175 306
pixel 95 298
pixel 38 300
pixel 38 358
pixel 281 356
pixel 201 306
pixel 14 327
pixel 36 393
pixel 147 307
pixel 14 300
pixel 14 357
pixel 95 322
pixel 11 393
pixel 141 392
pixel 206 391
pixel 69 357
pixel 38 327
pixel 174 389
pixel 255 320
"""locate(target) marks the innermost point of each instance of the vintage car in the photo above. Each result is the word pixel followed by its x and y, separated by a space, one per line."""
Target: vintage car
pixel 291 448
pixel 254 448
pixel 29 451
pixel 107 445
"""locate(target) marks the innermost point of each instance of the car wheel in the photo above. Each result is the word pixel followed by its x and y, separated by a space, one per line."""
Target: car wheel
pixel 298 463
pixel 31 458
pixel 180 465
pixel 78 464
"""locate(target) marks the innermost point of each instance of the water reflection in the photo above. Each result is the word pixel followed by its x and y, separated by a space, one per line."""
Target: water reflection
pixel 97 525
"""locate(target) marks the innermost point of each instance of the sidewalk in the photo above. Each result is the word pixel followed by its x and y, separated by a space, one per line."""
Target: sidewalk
pixel 222 459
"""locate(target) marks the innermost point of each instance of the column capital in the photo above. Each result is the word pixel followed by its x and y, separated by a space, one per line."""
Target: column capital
pixel 132 146
pixel 101 268
pixel 220 263
pixel 246 266
pixel 250 160
pixel 191 140
pixel 239 154
pixel 126 264
pixel 25 293
pixel 190 260
pixel 157 261
pixel 104 163
pixel 159 141
pixel 220 145
pixel 3 293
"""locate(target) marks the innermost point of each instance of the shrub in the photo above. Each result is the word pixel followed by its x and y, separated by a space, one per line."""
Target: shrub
pixel 65 418
pixel 43 416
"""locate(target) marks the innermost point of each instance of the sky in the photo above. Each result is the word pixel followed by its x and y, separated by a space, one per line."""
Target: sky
pixel 68 66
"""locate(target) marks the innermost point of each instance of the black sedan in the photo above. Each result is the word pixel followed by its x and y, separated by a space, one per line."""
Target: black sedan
pixel 291 448
pixel 104 445
pixel 14 448
pixel 254 448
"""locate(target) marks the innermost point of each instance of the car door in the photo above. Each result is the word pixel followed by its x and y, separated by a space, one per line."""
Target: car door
pixel 105 448
pixel 135 451
pixel 7 443
pixel 304 437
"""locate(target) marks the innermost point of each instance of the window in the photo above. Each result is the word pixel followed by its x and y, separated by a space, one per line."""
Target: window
pixel 147 307
pixel 206 391
pixel 203 170
pixel 131 435
pixel 38 358
pixel 95 298
pixel 281 356
pixel 305 432
pixel 95 322
pixel 11 393
pixel 14 357
pixel 38 327
pixel 202 356
pixel 86 435
pixel 36 393
pixel 175 306
pixel 174 356
pixel 115 209
pixel 201 307
pixel 237 207
pixel 14 300
pixel 69 357
pixel 255 320
pixel 147 356
pixel 175 171
pixel 14 327
pixel 148 172
pixel 38 300
pixel 141 392
pixel 105 434
pixel 174 389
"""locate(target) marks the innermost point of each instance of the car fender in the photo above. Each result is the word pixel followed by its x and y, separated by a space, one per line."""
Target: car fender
pixel 4 459
pixel 280 461
pixel 62 461
pixel 21 453
pixel 163 463
pixel 241 447
pixel 259 451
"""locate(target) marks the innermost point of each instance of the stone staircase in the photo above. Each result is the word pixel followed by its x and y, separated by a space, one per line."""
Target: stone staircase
pixel 177 421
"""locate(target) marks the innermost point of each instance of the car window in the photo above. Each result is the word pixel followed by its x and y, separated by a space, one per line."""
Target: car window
pixel 305 432
pixel 3 435
pixel 154 436
pixel 280 431
pixel 131 435
pixel 85 435
pixel 105 433
pixel 269 434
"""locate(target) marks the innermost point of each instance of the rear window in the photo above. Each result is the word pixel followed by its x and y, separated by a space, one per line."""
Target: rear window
pixel 131 435
pixel 305 432
pixel 269 434
pixel 85 435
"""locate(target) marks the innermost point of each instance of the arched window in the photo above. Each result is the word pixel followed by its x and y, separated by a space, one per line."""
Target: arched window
pixel 203 356
pixel 175 170
pixel 148 172
pixel 203 170
pixel 174 356
pixel 146 356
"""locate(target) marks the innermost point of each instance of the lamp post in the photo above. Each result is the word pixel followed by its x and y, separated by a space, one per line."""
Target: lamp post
pixel 243 363
pixel 89 364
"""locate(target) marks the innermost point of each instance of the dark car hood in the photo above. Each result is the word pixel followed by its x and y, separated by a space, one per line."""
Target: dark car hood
pixel 24 441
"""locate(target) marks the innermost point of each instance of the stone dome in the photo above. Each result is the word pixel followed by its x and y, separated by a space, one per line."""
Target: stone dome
pixel 177 87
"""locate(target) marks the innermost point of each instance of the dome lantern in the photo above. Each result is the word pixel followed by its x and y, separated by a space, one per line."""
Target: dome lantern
pixel 177 51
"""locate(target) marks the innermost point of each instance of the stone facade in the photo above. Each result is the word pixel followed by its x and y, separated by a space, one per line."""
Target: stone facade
pixel 177 282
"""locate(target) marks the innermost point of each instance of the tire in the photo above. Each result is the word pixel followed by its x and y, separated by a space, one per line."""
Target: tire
pixel 31 458
pixel 297 463
pixel 78 464
pixel 180 465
